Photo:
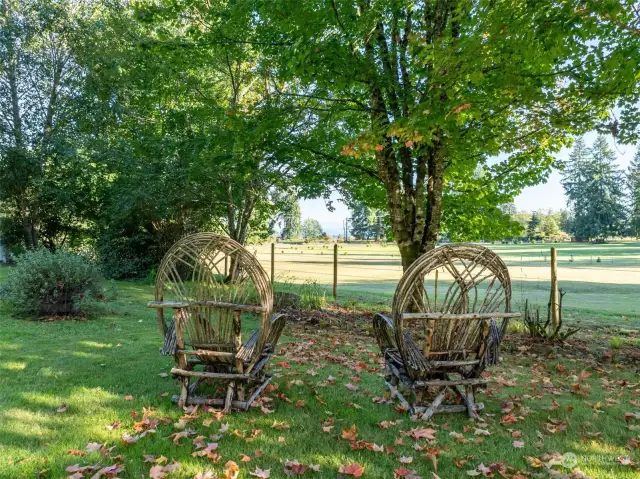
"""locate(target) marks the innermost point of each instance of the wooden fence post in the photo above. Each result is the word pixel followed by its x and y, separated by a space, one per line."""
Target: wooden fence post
pixel 273 262
pixel 555 305
pixel 335 271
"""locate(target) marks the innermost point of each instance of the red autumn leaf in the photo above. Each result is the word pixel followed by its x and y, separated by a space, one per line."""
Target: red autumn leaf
pixel 355 470
pixel 294 468
pixel 466 106
pixel 406 473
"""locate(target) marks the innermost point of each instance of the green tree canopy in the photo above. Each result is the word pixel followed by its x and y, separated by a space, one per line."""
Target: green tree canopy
pixel 421 94
pixel 311 230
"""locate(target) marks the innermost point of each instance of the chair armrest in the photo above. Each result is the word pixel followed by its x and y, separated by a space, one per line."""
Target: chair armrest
pixel 383 329
pixel 278 322
pixel 276 325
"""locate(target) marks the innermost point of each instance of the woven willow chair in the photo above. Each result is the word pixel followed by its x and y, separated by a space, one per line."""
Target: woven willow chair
pixel 449 314
pixel 211 283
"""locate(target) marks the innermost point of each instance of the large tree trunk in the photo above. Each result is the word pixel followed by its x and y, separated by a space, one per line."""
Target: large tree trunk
pixel 413 176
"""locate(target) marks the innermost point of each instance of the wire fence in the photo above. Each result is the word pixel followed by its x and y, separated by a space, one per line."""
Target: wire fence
pixel 598 278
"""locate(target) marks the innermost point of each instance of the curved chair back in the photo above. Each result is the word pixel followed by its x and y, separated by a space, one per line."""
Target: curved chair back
pixel 447 304
pixel 211 280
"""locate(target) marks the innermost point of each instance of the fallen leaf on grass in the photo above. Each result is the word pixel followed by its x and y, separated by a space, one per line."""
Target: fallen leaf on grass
pixel 231 470
pixel 294 468
pixel 109 471
pixel 262 473
pixel 77 468
pixel 179 435
pixel 204 475
pixel 94 446
pixel 160 472
pixel 508 419
pixel 62 408
pixel 349 434
pixel 280 425
pixel 351 387
pixel 406 460
pixel 628 416
pixel 406 473
pixel 518 444
pixel 207 451
pixel 418 433
pixel 128 439
pixel 128 398
pixel 355 470
pixel 387 424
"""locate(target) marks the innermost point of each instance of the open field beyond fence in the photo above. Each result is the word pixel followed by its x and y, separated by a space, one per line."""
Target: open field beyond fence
pixel 602 281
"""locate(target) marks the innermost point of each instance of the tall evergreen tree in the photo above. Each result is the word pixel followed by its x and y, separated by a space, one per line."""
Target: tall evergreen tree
pixel 605 193
pixel 574 180
pixel 360 220
pixel 595 189
pixel 533 226
pixel 633 183
pixel 367 222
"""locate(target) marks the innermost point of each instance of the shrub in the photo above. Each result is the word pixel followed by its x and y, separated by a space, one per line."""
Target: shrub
pixel 616 342
pixel 44 283
pixel 127 257
pixel 541 328
pixel 312 295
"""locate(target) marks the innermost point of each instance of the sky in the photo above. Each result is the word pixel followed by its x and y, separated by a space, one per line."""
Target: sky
pixel 549 195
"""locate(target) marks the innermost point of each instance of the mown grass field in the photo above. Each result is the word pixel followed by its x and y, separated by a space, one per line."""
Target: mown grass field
pixel 601 294
pixel 583 397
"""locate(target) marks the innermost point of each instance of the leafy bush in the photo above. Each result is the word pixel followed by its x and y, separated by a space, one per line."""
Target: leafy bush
pixel 126 257
pixel 45 283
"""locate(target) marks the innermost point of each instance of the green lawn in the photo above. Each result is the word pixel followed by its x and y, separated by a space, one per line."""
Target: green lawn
pixel 92 366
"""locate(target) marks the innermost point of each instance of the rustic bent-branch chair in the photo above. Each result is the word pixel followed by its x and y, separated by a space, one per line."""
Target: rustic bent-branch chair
pixel 212 284
pixel 450 312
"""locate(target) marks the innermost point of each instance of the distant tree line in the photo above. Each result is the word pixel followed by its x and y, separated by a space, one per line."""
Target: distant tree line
pixel 603 200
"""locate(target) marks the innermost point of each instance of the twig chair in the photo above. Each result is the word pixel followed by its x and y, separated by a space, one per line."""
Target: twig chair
pixel 449 314
pixel 211 283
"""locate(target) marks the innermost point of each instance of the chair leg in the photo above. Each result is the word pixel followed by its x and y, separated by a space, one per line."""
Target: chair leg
pixel 471 402
pixel 430 411
pixel 240 391
pixel 229 398
pixel 184 392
